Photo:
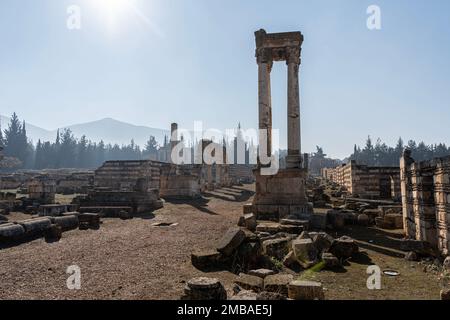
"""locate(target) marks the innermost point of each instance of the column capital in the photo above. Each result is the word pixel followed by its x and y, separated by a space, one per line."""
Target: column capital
pixel 264 55
pixel 293 55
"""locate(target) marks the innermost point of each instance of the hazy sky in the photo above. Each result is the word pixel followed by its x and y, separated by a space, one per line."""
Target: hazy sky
pixel 179 60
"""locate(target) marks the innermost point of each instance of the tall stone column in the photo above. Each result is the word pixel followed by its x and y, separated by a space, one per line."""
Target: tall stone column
pixel 264 97
pixel 294 159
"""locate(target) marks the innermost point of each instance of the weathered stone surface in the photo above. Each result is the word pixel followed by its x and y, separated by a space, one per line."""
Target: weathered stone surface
pixel 304 235
pixel 250 221
pixel 270 227
pixel 89 220
pixel 278 283
pixel 289 261
pixel 248 254
pixel 296 222
pixel 318 221
pixel 330 260
pixel 245 295
pixel 322 241
pixel 249 282
pixel 207 259
pixel 276 248
pixel 305 252
pixel 66 222
pixel 262 273
pixel 270 296
pixel 248 208
pixel 53 233
pixel 421 248
pixel 231 241
pixel 204 289
pixel 11 232
pixel 35 227
pixel 394 220
pixel 344 247
pixel 305 290
pixel 411 256
pixel 292 229
pixel 446 264
pixel 445 294
pixel 363 220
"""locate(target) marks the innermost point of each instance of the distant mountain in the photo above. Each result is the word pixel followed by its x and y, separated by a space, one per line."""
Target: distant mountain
pixel 109 130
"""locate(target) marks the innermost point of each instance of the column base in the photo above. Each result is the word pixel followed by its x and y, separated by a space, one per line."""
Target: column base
pixel 293 162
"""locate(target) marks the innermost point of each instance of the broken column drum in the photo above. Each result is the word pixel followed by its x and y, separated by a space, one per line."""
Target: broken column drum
pixel 282 194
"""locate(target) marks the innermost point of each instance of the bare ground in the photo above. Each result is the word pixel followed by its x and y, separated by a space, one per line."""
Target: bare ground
pixel 134 260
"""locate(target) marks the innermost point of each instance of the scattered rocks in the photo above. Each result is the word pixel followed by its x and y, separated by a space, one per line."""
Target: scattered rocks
pixel 278 283
pixel 250 282
pixel 231 241
pixel 289 261
pixel 245 295
pixel 305 290
pixel 277 248
pixel 322 241
pixel 305 252
pixel 446 264
pixel 344 247
pixel 204 289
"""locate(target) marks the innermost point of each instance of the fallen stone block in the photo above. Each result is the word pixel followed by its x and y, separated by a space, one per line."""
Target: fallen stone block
pixel 290 262
pixel 270 227
pixel 262 273
pixel 331 261
pixel 250 221
pixel 277 248
pixel 207 260
pixel 248 255
pixel 363 220
pixel 291 229
pixel 322 240
pixel 89 221
pixel 318 221
pixel 411 256
pixel 204 289
pixel 245 295
pixel 35 227
pixel 248 208
pixel 344 247
pixel 53 233
pixel 249 282
pixel 66 223
pixel 395 221
pixel 422 248
pixel 446 264
pixel 11 232
pixel 305 252
pixel 305 290
pixel 296 222
pixel 231 241
pixel 278 283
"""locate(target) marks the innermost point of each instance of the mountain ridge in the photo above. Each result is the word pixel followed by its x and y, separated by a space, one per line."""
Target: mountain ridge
pixel 107 129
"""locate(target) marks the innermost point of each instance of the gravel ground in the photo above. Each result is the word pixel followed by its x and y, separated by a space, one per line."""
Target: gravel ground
pixel 134 260
pixel 124 259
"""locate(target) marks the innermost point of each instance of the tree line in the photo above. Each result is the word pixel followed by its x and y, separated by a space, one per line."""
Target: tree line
pixel 380 154
pixel 66 151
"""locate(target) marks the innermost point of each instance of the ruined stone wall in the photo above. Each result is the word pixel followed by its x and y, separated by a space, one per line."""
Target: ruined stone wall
pixel 426 200
pixel 128 175
pixel 365 181
pixel 241 173
pixel 180 181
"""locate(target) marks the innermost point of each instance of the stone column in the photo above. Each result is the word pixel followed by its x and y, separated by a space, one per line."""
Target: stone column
pixel 294 159
pixel 264 96
pixel 173 139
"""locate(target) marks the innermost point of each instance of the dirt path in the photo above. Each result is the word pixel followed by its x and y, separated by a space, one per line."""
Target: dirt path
pixel 133 260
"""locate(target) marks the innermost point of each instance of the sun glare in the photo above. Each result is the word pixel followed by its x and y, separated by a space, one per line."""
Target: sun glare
pixel 113 11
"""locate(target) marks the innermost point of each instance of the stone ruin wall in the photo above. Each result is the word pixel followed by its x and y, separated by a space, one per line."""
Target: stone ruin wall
pixel 128 175
pixel 365 181
pixel 426 200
